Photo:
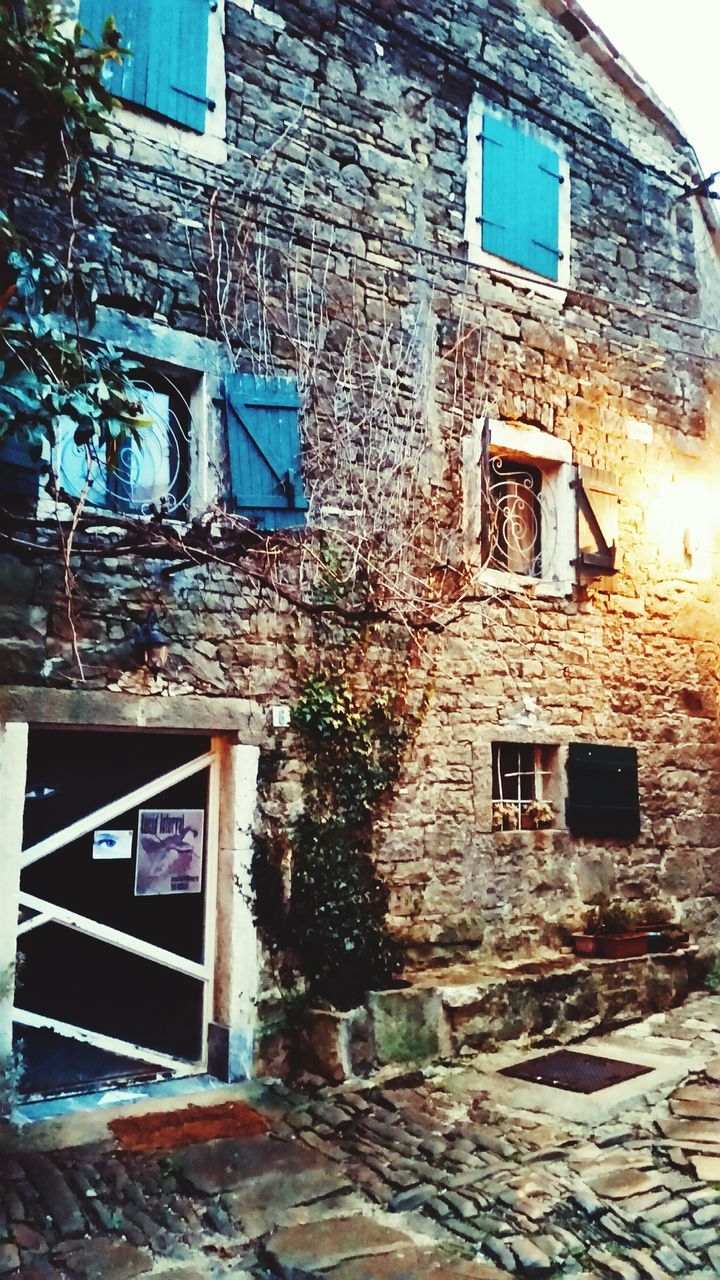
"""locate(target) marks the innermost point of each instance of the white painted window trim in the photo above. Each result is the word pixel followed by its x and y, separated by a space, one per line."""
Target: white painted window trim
pixel 210 145
pixel 474 202
pixel 558 544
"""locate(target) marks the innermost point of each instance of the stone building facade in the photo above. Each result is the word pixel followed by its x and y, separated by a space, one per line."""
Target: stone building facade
pixel 325 226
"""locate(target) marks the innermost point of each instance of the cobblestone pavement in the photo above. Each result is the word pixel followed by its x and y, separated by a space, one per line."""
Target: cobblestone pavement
pixel 437 1176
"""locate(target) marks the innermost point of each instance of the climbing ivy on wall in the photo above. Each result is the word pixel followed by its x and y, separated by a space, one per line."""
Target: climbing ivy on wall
pixel 353 748
pixel 53 103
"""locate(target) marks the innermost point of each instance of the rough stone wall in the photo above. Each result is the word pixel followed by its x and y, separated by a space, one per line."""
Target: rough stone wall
pixel 346 141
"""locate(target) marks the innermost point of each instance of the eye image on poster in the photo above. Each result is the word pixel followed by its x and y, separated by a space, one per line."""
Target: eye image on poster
pixel 111 845
pixel 169 852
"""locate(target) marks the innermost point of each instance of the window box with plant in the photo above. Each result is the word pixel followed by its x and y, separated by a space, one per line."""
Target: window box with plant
pixel 618 931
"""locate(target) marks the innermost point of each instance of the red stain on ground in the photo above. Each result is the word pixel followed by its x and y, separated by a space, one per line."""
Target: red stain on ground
pixel 163 1130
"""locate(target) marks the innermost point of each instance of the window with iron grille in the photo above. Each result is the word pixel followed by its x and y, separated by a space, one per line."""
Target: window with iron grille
pixel 515 517
pixel 533 516
pixel 148 473
pixel 524 785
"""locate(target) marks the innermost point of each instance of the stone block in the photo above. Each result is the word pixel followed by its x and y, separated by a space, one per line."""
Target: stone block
pixel 324 1043
pixel 409 1025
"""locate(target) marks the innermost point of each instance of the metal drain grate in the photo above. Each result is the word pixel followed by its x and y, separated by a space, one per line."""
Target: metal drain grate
pixel 576 1072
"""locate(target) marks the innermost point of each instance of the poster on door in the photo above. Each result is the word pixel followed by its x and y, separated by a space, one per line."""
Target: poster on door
pixel 169 852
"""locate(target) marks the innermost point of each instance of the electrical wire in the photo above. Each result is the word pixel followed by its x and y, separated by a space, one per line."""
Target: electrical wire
pixel 495 274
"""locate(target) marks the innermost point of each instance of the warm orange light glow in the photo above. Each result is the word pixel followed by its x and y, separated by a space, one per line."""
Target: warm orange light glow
pixel 682 520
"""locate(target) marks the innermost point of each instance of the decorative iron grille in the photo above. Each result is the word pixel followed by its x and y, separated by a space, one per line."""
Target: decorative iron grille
pixel 150 474
pixel 515 493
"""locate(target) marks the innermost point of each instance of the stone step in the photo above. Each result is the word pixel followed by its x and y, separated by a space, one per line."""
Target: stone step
pixel 692 1109
pixel 479 1005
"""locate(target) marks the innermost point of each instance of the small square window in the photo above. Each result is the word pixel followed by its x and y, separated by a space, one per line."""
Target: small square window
pixel 524 786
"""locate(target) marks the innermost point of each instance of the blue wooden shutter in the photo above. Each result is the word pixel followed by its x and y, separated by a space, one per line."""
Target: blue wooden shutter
pixel 520 198
pixel 265 453
pixel 19 468
pixel 169 41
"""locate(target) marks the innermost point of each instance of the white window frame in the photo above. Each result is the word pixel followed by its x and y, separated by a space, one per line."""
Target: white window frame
pixel 547 783
pixel 558 534
pixel 479 108
pixel 210 145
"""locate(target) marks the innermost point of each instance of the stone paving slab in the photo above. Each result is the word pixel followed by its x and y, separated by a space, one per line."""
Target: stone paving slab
pixel 707 1167
pixel 228 1162
pixel 414 1264
pixel 103 1259
pixel 299 1253
pixel 430 1179
pixel 705 1131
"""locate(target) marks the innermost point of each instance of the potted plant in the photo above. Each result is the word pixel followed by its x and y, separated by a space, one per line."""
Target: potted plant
pixel 504 816
pixel 539 814
pixel 663 933
pixel 611 932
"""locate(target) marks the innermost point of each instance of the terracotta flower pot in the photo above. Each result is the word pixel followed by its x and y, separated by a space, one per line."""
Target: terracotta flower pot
pixel 585 944
pixel 622 946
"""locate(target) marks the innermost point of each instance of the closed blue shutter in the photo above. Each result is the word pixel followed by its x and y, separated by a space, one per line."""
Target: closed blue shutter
pixel 265 453
pixel 167 72
pixel 520 198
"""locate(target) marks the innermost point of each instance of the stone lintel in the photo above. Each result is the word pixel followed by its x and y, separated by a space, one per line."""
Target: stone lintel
pixel 191 713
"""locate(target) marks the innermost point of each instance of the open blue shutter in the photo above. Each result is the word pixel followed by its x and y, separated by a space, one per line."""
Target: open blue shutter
pixel 265 453
pixel 521 198
pixel 169 41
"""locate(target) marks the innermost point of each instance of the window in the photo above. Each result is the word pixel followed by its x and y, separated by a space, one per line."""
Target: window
pixel 524 786
pixel 517 202
pixel 527 506
pixel 532 516
pixel 603 798
pixel 515 516
pixel 265 450
pixel 170 42
pixel 149 474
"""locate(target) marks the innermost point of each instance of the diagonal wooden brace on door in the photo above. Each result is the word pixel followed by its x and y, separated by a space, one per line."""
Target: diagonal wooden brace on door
pixel 95 1038
pixel 104 933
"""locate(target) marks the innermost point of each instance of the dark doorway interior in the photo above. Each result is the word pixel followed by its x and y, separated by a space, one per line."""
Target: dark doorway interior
pixel 83 981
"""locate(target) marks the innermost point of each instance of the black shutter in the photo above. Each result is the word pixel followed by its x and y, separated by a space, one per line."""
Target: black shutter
pixel 603 798
pixel 19 467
